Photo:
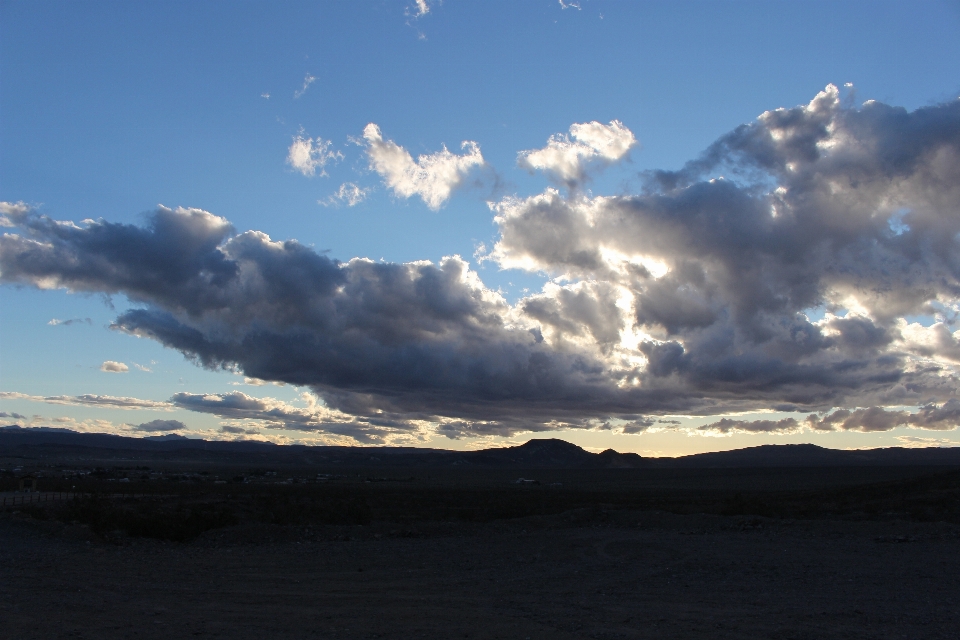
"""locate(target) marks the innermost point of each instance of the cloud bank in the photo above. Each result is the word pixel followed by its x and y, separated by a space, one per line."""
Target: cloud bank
pixel 783 270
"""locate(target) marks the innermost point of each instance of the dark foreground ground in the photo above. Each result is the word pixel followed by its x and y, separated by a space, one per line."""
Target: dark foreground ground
pixel 845 555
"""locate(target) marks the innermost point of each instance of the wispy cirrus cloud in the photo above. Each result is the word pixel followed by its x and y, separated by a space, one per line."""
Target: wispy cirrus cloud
pixel 91 400
pixel 307 81
pixel 55 322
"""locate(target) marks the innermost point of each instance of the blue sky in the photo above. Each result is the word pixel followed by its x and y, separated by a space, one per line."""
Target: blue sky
pixel 108 110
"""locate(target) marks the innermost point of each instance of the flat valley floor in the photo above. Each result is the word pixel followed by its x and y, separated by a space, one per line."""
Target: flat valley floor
pixel 580 574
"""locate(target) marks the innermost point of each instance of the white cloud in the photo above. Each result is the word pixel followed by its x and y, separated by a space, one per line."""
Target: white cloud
pixel 432 177
pixel 348 193
pixel 141 367
pixel 111 366
pixel 265 95
pixel 308 155
pixel 307 81
pixel 55 322
pixel 569 4
pixel 419 8
pixel 568 160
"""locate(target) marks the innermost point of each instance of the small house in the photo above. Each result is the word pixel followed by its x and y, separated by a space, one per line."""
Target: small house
pixel 27 483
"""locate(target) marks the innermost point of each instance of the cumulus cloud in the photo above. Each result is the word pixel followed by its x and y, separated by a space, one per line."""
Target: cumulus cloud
pixel 90 400
pixel 568 160
pixel 310 155
pixel 432 177
pixel 823 206
pixel 13 214
pixel 110 366
pixel 348 194
pixel 161 425
pixel 692 297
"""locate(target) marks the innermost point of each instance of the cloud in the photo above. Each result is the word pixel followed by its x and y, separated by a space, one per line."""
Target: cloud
pixel 140 367
pixel 15 416
pixel 945 417
pixel 691 297
pixel 914 442
pixel 161 425
pixel 110 366
pixel 66 323
pixel 567 161
pixel 90 400
pixel 232 430
pixel 308 155
pixel 348 193
pixel 432 177
pixel 13 214
pixel 419 8
pixel 265 95
pixel 569 4
pixel 307 81
pixel 726 426
pixel 276 414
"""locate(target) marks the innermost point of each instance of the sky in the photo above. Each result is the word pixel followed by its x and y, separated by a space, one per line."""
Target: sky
pixel 658 227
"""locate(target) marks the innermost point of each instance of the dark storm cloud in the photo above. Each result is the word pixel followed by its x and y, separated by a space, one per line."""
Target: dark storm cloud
pixel 691 297
pixel 726 425
pixel 228 429
pixel 161 425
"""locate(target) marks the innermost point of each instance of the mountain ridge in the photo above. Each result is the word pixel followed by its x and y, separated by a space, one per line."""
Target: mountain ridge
pixel 535 453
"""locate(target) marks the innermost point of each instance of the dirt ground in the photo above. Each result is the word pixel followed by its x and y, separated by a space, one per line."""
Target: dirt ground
pixel 580 574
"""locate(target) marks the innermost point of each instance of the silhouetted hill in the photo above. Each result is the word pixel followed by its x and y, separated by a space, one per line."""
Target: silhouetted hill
pixel 537 453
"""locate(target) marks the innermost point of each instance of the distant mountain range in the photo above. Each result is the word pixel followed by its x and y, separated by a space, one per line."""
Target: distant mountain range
pixel 539 453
